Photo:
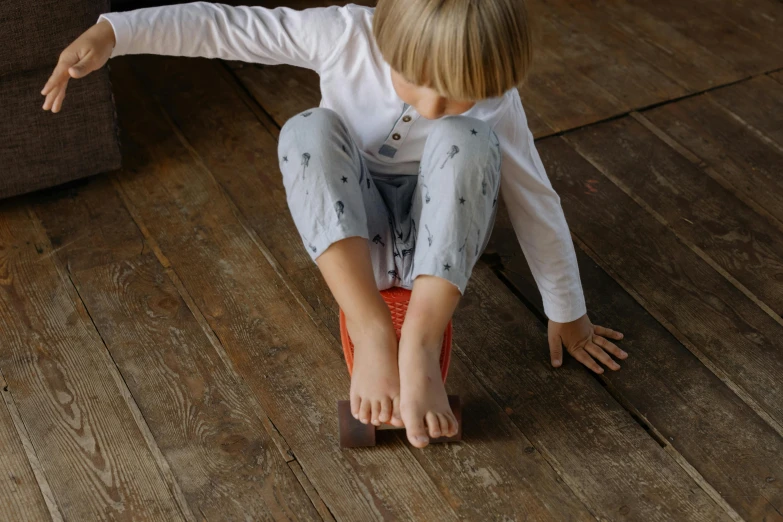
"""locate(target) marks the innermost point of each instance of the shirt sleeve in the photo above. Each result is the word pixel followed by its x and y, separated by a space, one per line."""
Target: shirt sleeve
pixel 308 38
pixel 537 217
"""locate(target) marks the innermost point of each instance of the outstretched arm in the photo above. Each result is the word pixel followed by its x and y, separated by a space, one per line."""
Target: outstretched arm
pixel 307 38
pixel 310 38
pixel 542 231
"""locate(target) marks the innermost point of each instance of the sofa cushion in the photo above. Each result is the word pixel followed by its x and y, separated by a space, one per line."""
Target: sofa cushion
pixel 33 33
pixel 40 149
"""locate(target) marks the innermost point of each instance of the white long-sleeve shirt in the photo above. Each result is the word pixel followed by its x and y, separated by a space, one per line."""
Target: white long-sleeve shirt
pixel 337 43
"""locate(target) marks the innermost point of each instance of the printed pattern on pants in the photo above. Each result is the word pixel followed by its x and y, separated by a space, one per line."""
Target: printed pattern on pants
pixel 435 222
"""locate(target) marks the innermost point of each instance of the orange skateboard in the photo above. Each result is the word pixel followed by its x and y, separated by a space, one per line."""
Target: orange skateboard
pixel 354 434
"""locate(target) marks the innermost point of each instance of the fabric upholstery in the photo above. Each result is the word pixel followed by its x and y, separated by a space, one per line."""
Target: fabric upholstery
pixel 34 32
pixel 39 149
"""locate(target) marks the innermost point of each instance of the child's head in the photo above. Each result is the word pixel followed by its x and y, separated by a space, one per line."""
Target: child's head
pixel 447 54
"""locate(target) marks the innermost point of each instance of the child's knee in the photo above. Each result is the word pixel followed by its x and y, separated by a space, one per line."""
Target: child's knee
pixel 466 145
pixel 317 134
pixel 311 122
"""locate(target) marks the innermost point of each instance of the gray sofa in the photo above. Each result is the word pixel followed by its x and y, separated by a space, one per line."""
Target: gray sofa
pixel 39 149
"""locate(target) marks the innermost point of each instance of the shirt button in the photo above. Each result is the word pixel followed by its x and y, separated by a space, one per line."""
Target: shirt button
pixel 396 136
pixel 406 119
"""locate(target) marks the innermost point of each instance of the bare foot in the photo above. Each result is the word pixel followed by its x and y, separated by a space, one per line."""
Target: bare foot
pixel 375 380
pixel 423 401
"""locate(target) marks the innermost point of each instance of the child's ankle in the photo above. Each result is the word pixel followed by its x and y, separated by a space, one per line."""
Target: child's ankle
pixel 371 320
pixel 420 335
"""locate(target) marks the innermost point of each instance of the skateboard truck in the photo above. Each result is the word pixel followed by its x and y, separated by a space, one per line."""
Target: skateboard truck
pixel 355 434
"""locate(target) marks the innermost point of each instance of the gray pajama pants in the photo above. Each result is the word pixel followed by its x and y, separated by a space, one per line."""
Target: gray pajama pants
pixel 437 223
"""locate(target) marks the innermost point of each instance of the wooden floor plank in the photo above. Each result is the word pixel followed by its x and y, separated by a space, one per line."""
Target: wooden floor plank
pixel 557 92
pixel 725 232
pixel 689 63
pixel 562 97
pixel 20 495
pixel 579 477
pixel 200 413
pixel 706 312
pixel 740 158
pixel 288 89
pixel 603 54
pixel 493 475
pixel 85 232
pixel 698 418
pixel 760 18
pixel 94 457
pixel 715 30
pixel 757 102
pixel 295 372
pixel 601 451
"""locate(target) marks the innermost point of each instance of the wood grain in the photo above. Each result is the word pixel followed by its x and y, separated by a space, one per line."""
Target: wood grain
pixel 562 97
pixel 714 29
pixel 20 495
pixel 688 63
pixel 723 231
pixel 757 103
pixel 94 457
pixel 84 229
pixel 741 160
pixel 202 416
pixel 759 18
pixel 212 485
pixel 706 312
pixel 604 55
pixel 493 475
pixel 601 451
pixel 687 407
pixel 287 90
pixel 293 370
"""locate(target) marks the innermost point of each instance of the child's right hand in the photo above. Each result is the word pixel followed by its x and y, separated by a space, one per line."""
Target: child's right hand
pixel 86 54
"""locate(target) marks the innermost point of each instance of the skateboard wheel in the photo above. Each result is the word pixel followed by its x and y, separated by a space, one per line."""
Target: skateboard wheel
pixel 353 434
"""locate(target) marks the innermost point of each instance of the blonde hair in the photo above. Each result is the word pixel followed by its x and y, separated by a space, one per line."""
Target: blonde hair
pixel 463 49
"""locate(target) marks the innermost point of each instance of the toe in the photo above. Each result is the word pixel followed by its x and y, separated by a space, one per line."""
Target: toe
pixel 444 425
pixel 453 424
pixel 356 401
pixel 396 415
pixel 433 424
pixel 364 411
pixel 417 432
pixel 386 409
pixel 375 412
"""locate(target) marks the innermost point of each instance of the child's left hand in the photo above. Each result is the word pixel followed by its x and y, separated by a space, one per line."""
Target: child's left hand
pixel 582 339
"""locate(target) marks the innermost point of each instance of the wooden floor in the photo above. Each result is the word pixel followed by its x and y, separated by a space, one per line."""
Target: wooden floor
pixel 168 351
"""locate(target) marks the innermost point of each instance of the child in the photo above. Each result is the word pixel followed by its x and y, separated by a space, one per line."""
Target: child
pixel 394 180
